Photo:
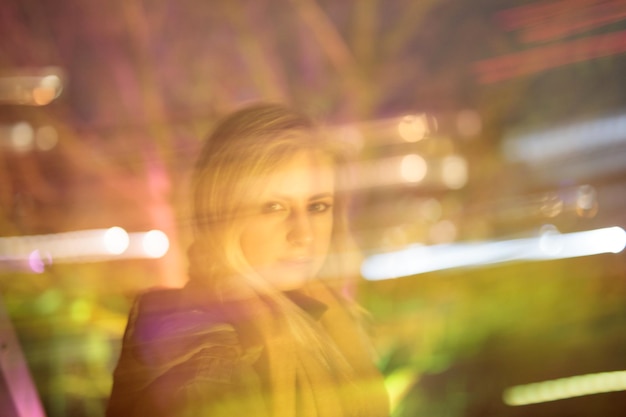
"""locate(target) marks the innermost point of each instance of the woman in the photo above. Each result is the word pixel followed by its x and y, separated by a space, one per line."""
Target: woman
pixel 260 329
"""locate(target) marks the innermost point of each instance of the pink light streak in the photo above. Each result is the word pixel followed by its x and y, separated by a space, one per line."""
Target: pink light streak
pixel 543 58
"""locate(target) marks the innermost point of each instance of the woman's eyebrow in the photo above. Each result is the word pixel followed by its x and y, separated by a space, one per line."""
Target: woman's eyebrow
pixel 313 197
pixel 321 195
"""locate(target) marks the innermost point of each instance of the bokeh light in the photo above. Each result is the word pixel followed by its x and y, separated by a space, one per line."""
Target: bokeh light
pixel 38 261
pixel 413 128
pixel 116 240
pixel 155 243
pixel 413 168
pixel 48 89
pixel 80 310
pixel 454 171
pixel 46 138
pixel 443 231
pixel 547 241
pixel 586 201
pixel 22 136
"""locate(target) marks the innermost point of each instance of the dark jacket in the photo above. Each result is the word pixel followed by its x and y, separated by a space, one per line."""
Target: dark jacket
pixel 182 358
pixel 183 361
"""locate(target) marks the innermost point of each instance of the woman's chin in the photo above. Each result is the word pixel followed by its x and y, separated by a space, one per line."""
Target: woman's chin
pixel 287 278
pixel 290 282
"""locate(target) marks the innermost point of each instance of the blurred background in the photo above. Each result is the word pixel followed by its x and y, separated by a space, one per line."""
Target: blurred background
pixel 491 183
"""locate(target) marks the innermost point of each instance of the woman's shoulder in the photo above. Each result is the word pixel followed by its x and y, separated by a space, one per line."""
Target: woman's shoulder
pixel 176 355
pixel 166 326
pixel 166 310
pixel 163 301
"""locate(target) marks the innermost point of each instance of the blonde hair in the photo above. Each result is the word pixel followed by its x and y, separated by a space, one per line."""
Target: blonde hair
pixel 245 146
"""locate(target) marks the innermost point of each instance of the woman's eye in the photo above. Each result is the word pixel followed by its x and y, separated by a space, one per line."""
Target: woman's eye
pixel 272 207
pixel 319 207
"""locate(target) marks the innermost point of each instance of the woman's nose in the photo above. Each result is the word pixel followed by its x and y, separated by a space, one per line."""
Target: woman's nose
pixel 300 231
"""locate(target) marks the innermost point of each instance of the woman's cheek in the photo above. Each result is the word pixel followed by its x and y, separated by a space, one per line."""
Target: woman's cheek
pixel 260 240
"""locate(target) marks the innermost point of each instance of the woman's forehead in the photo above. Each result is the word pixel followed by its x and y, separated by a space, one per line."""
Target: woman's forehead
pixel 303 175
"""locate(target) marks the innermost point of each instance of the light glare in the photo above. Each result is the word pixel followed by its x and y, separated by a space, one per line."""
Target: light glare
pixel 616 237
pixel 562 388
pixel 417 259
pixel 116 240
pixel 35 262
pixel 47 90
pixel 51 81
pixel 33 253
pixel 578 138
pixel 22 136
pixel 586 201
pixel 155 243
pixel 413 128
pixel 454 172
pixel 413 168
pixel 549 241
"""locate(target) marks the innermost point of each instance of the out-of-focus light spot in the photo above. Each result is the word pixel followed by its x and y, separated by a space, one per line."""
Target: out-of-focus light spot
pixel 551 205
pixel 430 210
pixel 49 302
pixel 548 240
pixel 395 237
pixel 31 86
pixel 80 311
pixel 413 128
pixel 590 242
pixel 616 237
pixel 577 138
pixel 43 95
pixel 468 123
pixel 116 240
pixel 442 232
pixel 586 201
pixel 413 168
pixel 398 384
pixel 33 253
pixel 51 81
pixel 47 90
pixel 563 388
pixel 46 138
pixel 97 347
pixel 22 136
pixel 417 259
pixel 454 172
pixel 37 262
pixel 155 243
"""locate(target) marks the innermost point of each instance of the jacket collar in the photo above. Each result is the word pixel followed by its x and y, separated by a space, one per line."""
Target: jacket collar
pixel 312 306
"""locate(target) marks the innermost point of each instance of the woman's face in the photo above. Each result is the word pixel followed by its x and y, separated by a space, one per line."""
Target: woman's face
pixel 287 232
